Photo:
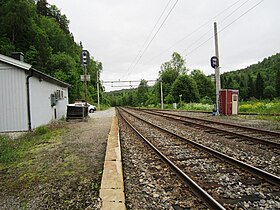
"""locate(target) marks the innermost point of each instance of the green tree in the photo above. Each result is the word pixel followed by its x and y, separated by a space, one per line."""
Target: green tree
pixel 185 86
pixel 16 22
pixel 205 86
pixel 170 71
pixel 251 87
pixel 41 32
pixel 42 8
pixel 269 92
pixel 259 86
pixel 277 83
pixel 243 90
pixel 142 92
pixel 60 19
pixel 244 78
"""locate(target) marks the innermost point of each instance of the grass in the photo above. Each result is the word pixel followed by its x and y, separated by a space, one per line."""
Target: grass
pixel 104 107
pixel 13 150
pixel 46 167
pixel 260 107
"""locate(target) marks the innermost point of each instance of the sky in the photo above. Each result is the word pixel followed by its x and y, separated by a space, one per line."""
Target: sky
pixel 133 38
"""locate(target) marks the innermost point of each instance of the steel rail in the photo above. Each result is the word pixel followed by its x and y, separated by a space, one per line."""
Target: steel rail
pixel 271 178
pixel 197 190
pixel 210 112
pixel 171 116
pixel 229 124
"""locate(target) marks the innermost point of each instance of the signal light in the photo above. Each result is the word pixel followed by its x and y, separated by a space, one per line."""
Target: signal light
pixel 214 62
pixel 85 58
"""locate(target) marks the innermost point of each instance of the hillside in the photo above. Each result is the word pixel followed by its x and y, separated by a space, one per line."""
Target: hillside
pixel 261 80
pixel 41 32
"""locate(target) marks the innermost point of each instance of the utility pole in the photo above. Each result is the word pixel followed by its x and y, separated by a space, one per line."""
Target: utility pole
pixel 161 95
pixel 85 83
pixel 217 68
pixel 97 84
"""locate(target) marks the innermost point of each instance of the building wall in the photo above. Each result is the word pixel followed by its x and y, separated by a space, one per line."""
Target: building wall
pixel 40 98
pixel 13 99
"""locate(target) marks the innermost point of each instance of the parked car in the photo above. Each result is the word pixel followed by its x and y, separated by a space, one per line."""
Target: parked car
pixel 91 108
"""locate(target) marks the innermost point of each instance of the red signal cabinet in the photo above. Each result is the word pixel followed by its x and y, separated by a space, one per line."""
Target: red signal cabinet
pixel 228 102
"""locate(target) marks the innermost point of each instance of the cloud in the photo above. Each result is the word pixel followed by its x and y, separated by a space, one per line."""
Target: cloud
pixel 114 33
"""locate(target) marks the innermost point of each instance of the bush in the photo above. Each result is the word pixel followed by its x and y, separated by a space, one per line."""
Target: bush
pixel 206 100
pixel 262 107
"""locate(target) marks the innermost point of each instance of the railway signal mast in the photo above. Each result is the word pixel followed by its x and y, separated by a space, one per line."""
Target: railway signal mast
pixel 85 60
pixel 215 64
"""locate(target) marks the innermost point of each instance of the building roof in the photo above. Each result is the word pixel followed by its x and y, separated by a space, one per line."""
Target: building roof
pixel 15 62
pixel 48 78
pixel 28 69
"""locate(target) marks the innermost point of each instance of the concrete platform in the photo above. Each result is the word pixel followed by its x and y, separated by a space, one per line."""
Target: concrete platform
pixel 112 186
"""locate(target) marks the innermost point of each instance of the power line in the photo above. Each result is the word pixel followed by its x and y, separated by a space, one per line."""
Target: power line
pixel 211 28
pixel 141 55
pixel 241 15
pixel 197 29
pixel 234 11
pixel 148 37
pixel 225 27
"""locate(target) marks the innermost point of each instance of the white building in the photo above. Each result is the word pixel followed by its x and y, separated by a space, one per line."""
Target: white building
pixel 28 97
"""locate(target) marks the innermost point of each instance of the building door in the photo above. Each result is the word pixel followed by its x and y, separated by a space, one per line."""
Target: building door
pixel 234 103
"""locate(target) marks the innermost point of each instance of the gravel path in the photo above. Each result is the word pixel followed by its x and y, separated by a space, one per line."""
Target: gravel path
pixel 64 173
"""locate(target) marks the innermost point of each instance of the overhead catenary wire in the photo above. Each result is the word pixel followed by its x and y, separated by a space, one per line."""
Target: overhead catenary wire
pixel 203 35
pixel 197 29
pixel 154 36
pixel 234 10
pixel 148 37
pixel 247 11
pixel 220 31
pixel 141 52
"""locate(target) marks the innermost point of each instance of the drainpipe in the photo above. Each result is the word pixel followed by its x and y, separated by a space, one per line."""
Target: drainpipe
pixel 28 99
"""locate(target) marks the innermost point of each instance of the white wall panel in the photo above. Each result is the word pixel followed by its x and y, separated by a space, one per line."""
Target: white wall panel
pixel 41 110
pixel 13 104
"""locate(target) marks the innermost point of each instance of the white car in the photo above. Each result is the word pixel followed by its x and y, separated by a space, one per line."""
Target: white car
pixel 91 108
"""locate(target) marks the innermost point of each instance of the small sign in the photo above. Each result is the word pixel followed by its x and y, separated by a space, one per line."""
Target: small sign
pixel 85 76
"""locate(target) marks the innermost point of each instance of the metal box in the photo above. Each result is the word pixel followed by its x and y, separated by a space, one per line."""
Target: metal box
pixel 228 102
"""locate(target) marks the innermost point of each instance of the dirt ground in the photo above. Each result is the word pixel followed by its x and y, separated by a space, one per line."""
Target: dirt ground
pixel 63 173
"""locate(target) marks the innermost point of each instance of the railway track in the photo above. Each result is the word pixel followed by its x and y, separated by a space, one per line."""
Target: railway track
pixel 239 113
pixel 225 181
pixel 233 131
pixel 256 154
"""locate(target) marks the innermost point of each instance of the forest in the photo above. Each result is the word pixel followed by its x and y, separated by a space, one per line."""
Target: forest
pixel 41 32
pixel 258 81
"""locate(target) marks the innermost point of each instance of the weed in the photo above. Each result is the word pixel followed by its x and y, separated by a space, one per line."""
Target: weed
pixel 13 150
pixel 260 107
pixel 41 130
